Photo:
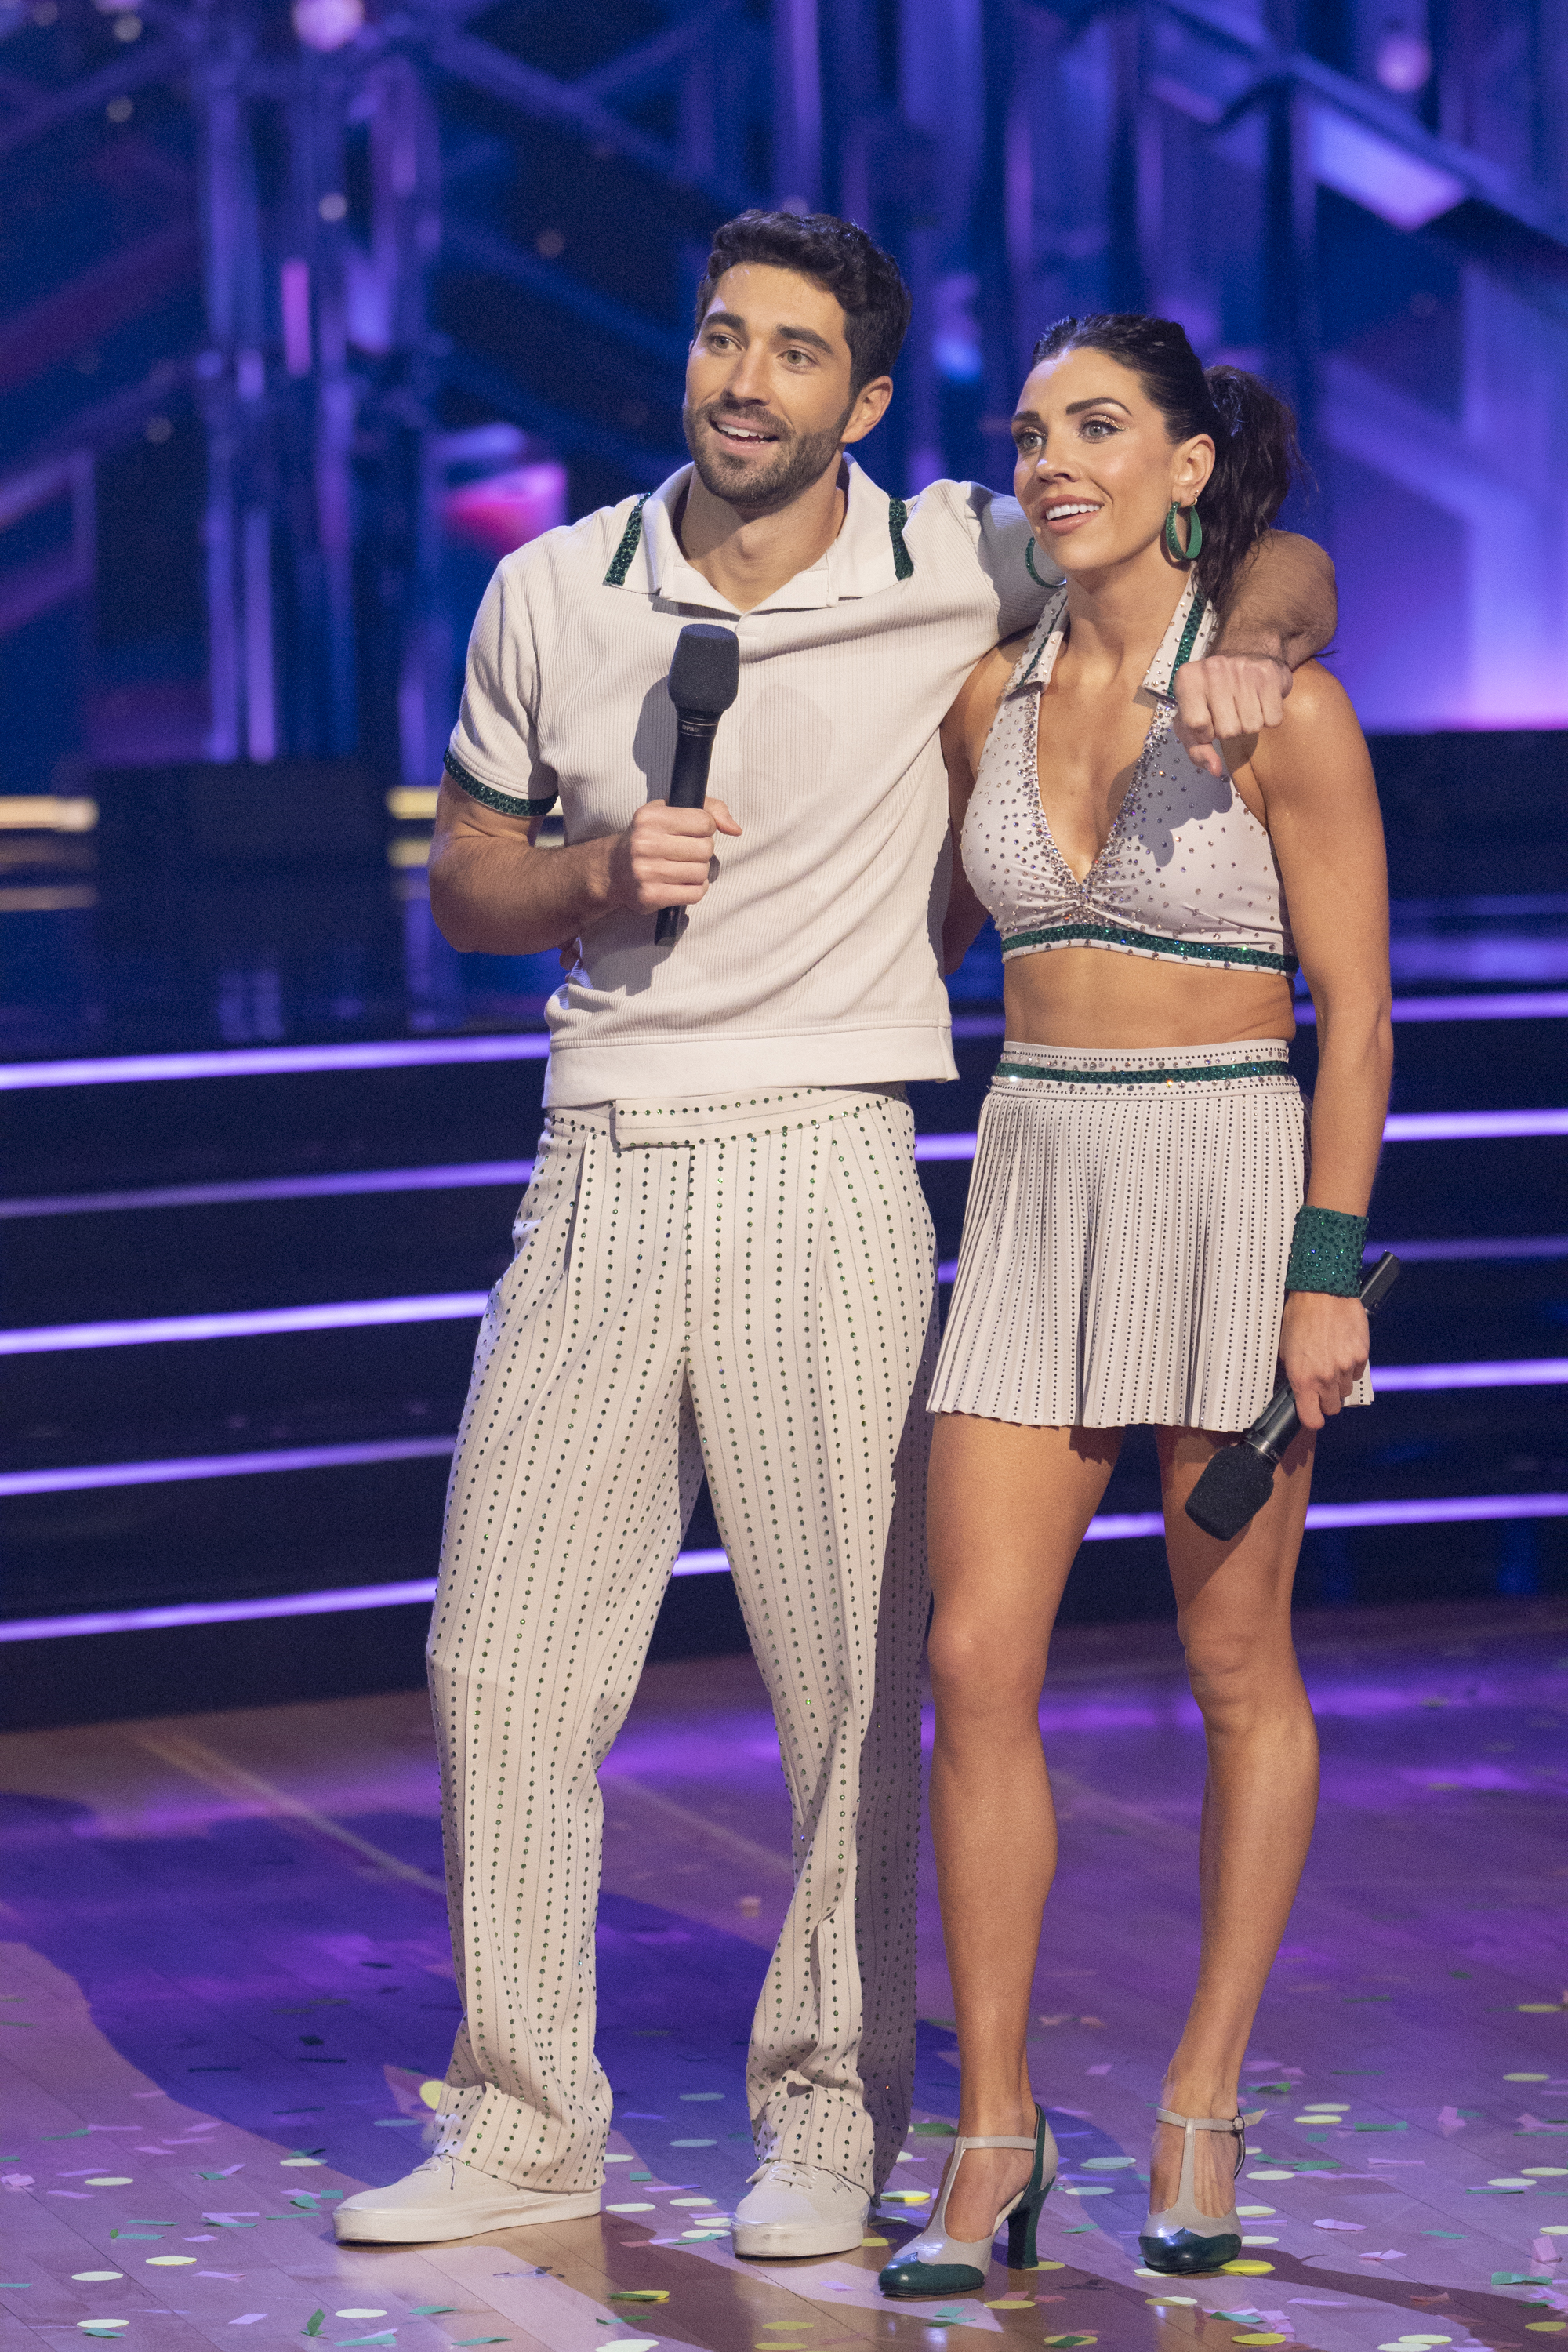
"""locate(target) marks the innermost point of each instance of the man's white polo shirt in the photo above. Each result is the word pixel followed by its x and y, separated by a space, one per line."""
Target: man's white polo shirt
pixel 813 958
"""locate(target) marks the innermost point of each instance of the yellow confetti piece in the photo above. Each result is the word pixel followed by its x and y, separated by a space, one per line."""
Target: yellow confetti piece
pixel 906 2196
pixel 1011 2302
pixel 629 2209
pixel 1508 2180
pixel 1072 2339
pixel 1539 2009
pixel 1246 2270
pixel 1527 2078
pixel 358 2311
pixel 1546 2172
pixel 1048 2266
pixel 1261 2339
pixel 639 2294
pixel 302 2163
pixel 112 2181
pixel 1256 2212
pixel 431 2092
pixel 1156 2302
pixel 96 2274
pixel 876 2241
pixel 170 2262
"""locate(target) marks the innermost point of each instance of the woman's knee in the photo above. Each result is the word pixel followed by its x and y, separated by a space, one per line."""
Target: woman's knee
pixel 976 1661
pixel 1237 1667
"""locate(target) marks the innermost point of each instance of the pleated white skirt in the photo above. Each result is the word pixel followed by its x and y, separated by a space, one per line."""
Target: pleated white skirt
pixel 1124 1248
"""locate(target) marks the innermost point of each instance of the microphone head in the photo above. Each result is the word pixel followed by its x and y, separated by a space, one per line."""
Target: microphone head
pixel 705 675
pixel 1235 1487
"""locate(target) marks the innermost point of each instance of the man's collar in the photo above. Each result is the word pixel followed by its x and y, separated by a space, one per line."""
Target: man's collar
pixel 863 559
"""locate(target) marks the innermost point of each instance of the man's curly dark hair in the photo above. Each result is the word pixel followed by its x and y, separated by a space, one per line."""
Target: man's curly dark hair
pixel 835 254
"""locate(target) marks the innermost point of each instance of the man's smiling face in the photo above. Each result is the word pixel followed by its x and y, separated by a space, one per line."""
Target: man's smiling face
pixel 768 402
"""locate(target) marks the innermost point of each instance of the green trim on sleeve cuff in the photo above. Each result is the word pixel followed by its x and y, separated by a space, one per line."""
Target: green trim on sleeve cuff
pixel 504 803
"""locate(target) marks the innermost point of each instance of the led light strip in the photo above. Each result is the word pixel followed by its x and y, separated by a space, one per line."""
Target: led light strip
pixel 469 1173
pixel 277 1061
pixel 1400 1127
pixel 261 1322
pixel 1388 1379
pixel 1441 1510
pixel 534 1046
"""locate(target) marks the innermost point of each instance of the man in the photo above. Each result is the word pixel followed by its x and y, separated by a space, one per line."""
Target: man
pixel 724 1260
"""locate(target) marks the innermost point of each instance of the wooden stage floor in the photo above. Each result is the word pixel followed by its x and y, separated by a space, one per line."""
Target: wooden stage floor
pixel 223 1979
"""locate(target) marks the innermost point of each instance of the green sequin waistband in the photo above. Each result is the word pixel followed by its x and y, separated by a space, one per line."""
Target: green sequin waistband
pixel 1195 1076
pixel 1157 944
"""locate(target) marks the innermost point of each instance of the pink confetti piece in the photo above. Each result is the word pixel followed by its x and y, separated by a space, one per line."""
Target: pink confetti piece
pixel 1339 2225
pixel 247 2318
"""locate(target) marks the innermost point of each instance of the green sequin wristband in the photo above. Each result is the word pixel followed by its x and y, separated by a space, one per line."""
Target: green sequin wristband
pixel 1326 1252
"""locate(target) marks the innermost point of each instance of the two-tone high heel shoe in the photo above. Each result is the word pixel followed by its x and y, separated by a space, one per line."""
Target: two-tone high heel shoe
pixel 939 2265
pixel 1182 2240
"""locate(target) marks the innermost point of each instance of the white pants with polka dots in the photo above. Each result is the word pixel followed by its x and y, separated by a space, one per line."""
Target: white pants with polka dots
pixel 743 1286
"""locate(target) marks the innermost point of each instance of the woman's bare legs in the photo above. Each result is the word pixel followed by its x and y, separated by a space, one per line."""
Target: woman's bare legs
pixel 1260 1794
pixel 1009 1506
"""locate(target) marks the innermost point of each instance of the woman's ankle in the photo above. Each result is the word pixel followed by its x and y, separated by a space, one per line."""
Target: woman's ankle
pixel 1199 2095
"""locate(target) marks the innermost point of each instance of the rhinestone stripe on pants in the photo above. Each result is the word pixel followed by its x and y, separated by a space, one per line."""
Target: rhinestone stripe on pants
pixel 745 1286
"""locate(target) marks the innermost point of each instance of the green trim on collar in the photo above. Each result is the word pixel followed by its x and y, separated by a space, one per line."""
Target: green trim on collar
pixel 504 803
pixel 1158 944
pixel 903 562
pixel 1190 634
pixel 621 561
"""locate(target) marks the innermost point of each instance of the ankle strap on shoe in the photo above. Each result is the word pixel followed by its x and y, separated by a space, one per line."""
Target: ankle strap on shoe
pixel 963 2144
pixel 1205 2123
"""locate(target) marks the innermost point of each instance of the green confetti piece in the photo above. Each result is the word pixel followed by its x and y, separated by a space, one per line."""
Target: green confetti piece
pixel 313 2325
pixel 430 2310
pixel 935 2131
pixel 387 2336
pixel 481 2339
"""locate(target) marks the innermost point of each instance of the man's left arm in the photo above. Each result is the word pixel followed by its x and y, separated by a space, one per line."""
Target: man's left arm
pixel 1283 612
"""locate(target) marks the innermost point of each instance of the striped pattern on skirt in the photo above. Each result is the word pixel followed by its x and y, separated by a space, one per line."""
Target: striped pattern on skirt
pixel 1124 1247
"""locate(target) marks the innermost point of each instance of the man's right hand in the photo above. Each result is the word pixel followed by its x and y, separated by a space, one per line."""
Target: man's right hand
pixel 662 858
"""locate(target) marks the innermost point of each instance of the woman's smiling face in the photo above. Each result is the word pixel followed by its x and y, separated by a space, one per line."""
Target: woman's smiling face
pixel 1097 470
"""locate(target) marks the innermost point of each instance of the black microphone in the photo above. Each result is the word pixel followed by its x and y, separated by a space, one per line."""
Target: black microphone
pixel 1239 1482
pixel 704 679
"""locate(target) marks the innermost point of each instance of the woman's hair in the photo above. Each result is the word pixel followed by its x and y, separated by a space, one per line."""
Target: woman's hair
pixel 1257 455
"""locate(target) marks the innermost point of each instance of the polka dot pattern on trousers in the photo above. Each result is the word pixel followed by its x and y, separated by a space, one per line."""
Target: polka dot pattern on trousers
pixel 744 1286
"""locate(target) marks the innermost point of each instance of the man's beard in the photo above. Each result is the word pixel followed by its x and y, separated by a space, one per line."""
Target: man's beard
pixel 800 460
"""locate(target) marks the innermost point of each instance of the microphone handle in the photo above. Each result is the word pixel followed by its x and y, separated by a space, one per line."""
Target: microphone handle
pixel 688 789
pixel 1277 1424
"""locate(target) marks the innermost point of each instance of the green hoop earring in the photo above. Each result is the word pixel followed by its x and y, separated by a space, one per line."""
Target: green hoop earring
pixel 1030 566
pixel 1194 546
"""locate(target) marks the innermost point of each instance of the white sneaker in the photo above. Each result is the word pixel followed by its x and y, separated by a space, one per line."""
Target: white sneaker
pixel 443 2199
pixel 796 2208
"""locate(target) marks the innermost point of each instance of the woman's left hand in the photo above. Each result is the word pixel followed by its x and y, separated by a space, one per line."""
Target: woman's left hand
pixel 1323 1346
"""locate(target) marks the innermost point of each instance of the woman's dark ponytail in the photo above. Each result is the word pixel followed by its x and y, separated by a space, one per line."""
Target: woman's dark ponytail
pixel 1257 455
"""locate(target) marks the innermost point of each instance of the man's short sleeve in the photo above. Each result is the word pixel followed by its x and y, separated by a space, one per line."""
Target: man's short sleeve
pixel 1021 571
pixel 493 755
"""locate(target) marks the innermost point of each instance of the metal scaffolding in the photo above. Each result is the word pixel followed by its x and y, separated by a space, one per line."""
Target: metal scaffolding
pixel 381 207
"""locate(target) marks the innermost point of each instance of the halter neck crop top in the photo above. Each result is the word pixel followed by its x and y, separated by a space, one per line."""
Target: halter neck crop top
pixel 1188 875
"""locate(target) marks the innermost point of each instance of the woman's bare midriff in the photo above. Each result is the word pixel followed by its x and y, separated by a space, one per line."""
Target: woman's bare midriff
pixel 1097 997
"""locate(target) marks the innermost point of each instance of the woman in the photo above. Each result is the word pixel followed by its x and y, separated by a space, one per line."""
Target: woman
pixel 1136 1247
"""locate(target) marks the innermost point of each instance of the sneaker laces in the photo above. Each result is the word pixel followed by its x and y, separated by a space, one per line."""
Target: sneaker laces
pixel 785 2172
